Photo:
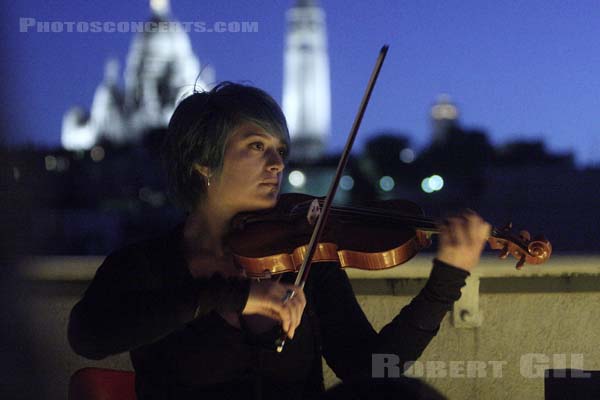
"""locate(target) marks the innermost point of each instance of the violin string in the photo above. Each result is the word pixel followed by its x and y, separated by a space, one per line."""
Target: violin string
pixel 382 213
pixel 385 213
pixel 418 222
pixel 424 222
pixel 415 221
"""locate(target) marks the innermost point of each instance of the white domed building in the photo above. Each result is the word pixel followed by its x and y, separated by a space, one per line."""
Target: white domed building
pixel 161 67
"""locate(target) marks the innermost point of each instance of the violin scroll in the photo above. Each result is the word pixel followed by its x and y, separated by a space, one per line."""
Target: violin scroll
pixel 522 247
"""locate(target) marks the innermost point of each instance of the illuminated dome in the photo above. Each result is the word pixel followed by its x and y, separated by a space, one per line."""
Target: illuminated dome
pixel 161 67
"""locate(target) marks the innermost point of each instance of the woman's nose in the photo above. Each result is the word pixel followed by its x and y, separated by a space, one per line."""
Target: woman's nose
pixel 275 161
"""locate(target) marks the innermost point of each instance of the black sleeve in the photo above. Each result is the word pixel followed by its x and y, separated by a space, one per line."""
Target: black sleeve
pixel 133 301
pixel 349 340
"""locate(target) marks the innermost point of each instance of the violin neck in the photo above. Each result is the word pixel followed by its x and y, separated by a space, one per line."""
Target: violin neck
pixel 419 223
pixel 377 215
pixel 386 216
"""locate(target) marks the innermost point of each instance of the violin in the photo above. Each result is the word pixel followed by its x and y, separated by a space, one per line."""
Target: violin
pixel 382 235
pixel 294 234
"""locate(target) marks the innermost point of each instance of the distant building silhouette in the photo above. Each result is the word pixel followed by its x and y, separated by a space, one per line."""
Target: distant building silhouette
pixel 160 68
pixel 530 152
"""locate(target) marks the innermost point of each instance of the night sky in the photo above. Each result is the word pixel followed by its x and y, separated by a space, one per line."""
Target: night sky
pixel 517 69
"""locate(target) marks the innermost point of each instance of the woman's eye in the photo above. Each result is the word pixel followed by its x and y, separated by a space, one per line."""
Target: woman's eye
pixel 258 145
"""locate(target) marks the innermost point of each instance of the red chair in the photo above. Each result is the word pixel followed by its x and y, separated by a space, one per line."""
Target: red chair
pixel 102 384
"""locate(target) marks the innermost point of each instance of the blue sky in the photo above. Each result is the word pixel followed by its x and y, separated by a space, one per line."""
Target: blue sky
pixel 518 69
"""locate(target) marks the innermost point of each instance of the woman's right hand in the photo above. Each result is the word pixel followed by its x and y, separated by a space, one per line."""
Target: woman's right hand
pixel 266 298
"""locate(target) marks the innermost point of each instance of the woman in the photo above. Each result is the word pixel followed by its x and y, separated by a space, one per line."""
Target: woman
pixel 193 323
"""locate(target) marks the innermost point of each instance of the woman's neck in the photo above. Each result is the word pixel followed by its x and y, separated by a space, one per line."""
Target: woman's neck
pixel 207 225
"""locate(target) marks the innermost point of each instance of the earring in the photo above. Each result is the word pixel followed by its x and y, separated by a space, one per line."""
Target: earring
pixel 208 180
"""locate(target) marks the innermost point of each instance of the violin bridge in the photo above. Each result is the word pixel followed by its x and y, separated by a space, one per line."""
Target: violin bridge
pixel 313 212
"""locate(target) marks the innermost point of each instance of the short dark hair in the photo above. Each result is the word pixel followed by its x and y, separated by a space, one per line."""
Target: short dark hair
pixel 200 128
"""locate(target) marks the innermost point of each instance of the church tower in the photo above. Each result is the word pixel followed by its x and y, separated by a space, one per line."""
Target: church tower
pixel 306 87
pixel 444 117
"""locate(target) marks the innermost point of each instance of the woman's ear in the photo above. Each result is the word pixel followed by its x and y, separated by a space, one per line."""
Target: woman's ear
pixel 202 170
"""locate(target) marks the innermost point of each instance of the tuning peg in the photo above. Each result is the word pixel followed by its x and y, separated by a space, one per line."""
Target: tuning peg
pixel 520 262
pixel 504 253
pixel 525 235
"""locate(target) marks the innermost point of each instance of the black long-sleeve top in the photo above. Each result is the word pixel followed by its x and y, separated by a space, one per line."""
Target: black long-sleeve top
pixel 144 300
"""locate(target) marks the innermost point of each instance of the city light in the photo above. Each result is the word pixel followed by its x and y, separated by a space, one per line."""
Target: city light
pixel 97 153
pixel 346 183
pixel 50 162
pixel 297 178
pixel 386 183
pixel 425 186
pixel 407 155
pixel 436 182
pixel 432 184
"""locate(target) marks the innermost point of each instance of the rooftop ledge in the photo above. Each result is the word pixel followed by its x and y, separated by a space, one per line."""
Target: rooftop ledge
pixel 83 268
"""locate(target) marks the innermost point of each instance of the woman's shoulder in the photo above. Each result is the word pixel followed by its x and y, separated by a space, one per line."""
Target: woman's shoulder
pixel 157 243
pixel 150 254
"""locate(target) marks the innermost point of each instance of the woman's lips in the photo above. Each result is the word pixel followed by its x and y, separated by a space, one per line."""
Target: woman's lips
pixel 273 187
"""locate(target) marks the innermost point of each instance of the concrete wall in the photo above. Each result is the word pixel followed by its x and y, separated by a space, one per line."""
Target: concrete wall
pixel 553 313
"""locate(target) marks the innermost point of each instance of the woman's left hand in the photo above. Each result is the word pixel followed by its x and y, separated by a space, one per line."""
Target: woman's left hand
pixel 462 239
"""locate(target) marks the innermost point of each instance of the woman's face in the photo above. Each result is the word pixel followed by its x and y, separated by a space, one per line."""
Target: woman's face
pixel 252 170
